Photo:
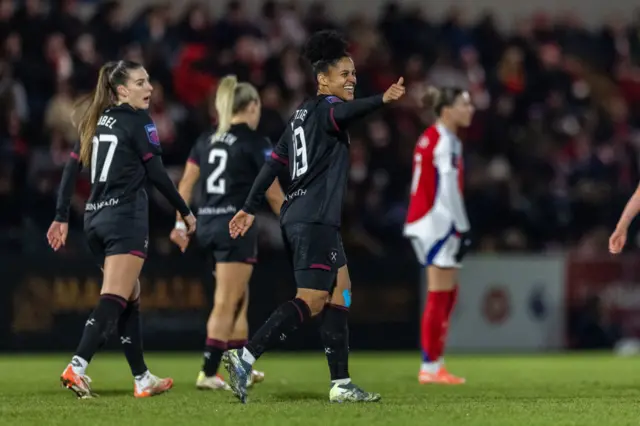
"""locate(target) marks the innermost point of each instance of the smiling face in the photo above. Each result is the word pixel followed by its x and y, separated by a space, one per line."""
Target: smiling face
pixel 339 79
pixel 137 89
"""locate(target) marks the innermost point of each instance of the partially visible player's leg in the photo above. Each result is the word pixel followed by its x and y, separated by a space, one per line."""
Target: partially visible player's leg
pixel 308 303
pixel 146 384
pixel 441 295
pixel 120 275
pixel 240 337
pixel 240 333
pixel 232 279
pixel 130 333
pixel 310 247
pixel 282 322
pixel 334 330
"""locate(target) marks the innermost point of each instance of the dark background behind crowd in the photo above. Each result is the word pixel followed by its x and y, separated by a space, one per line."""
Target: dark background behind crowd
pixel 550 158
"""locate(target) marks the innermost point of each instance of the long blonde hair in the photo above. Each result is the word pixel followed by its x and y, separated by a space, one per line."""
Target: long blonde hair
pixel 112 74
pixel 231 98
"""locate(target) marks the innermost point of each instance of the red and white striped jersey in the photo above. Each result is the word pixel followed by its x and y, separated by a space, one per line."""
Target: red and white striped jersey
pixel 437 185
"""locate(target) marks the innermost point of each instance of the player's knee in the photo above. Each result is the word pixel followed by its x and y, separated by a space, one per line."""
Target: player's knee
pixel 225 307
pixel 106 315
pixel 315 299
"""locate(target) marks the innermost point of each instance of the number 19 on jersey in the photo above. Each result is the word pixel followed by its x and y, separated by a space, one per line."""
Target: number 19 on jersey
pixel 300 164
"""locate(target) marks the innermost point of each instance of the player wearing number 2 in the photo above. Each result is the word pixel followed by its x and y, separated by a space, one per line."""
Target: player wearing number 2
pixel 226 163
pixel 119 143
pixel 315 147
pixel 437 222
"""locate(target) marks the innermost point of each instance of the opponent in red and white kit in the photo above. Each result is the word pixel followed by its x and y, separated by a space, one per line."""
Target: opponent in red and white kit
pixel 437 222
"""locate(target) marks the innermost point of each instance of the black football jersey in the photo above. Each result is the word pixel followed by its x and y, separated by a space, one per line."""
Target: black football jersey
pixel 317 153
pixel 125 138
pixel 229 163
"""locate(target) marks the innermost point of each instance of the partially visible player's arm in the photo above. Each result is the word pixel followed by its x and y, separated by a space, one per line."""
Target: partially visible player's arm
pixel 189 178
pixel 157 174
pixel 147 144
pixel 265 179
pixel 268 173
pixel 259 153
pixel 67 185
pixel 342 114
pixel 275 196
pixel 630 211
pixel 451 195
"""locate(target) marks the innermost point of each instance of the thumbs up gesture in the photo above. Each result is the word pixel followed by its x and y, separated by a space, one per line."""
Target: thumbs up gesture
pixel 394 92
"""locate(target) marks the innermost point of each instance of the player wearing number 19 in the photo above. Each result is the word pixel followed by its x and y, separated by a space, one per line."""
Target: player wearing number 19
pixel 119 142
pixel 315 147
pixel 225 163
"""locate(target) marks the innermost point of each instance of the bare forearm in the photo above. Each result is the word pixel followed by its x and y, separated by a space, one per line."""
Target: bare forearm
pixel 275 197
pixel 630 210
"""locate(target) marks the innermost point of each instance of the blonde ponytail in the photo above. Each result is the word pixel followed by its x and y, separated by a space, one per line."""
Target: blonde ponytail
pixel 225 98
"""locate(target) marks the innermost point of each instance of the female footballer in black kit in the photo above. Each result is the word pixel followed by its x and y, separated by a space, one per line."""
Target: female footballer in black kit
pixel 226 163
pixel 315 147
pixel 120 145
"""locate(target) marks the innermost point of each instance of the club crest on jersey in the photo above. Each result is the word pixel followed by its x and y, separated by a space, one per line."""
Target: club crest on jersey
pixel 152 134
pixel 333 99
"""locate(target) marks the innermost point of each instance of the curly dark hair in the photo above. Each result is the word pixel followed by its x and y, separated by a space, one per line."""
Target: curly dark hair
pixel 324 49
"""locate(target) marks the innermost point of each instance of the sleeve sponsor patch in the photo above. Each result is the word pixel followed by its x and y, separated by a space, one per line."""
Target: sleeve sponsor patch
pixel 333 99
pixel 152 134
pixel 267 153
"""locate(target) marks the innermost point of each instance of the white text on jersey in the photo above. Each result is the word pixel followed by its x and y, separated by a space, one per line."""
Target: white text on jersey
pixel 226 138
pixel 301 114
pixel 106 121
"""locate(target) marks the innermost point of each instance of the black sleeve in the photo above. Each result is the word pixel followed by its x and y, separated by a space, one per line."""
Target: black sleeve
pixel 260 151
pixel 68 184
pixel 265 178
pixel 160 179
pixel 342 114
pixel 145 137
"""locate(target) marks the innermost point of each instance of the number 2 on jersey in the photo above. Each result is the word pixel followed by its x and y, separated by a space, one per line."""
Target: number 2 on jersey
pixel 112 140
pixel 215 184
pixel 300 165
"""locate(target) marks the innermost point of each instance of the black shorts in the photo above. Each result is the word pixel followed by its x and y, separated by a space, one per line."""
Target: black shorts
pixel 122 229
pixel 213 236
pixel 313 246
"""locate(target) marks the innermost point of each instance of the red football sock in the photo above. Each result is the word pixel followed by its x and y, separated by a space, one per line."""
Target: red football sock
pixel 453 298
pixel 433 324
pixel 451 303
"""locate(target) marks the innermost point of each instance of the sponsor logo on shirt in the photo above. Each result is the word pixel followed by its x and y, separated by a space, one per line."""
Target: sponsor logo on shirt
pixel 333 99
pixel 152 134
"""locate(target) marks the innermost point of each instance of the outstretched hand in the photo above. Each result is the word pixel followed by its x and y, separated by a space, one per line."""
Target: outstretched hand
pixel 240 224
pixel 57 235
pixel 394 92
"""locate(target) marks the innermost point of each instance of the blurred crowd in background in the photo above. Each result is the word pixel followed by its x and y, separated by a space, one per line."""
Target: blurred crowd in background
pixel 550 158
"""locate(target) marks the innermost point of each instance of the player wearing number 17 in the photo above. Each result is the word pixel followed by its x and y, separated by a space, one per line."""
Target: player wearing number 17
pixel 315 148
pixel 119 142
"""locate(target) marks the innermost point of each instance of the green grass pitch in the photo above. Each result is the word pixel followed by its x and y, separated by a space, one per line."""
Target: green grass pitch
pixel 558 390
